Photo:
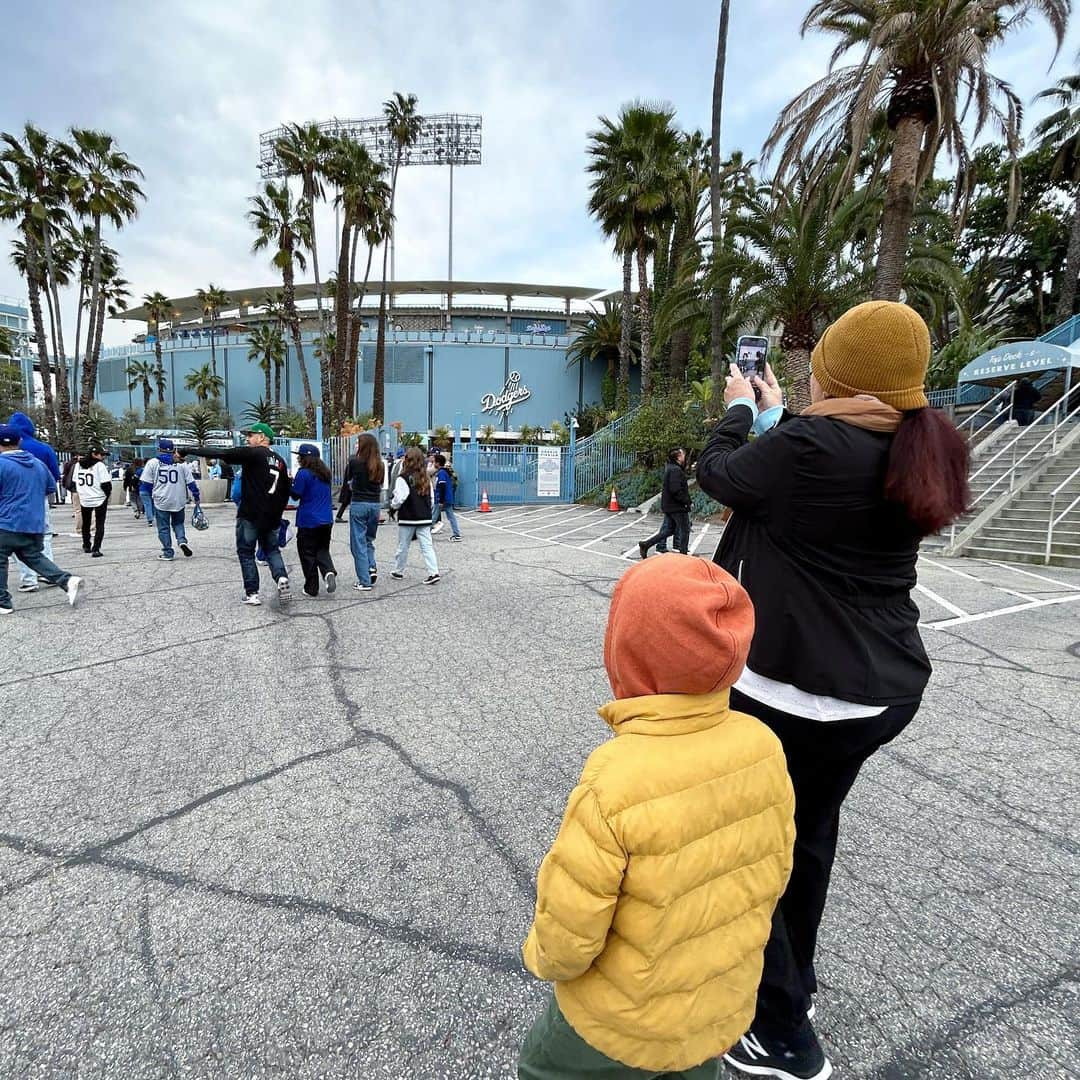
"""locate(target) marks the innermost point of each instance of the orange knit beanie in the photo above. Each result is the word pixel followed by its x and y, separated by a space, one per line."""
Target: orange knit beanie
pixel 879 348
pixel 677 625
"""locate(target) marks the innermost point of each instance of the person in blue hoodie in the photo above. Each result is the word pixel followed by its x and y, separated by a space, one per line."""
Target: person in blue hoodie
pixel 311 487
pixel 24 483
pixel 28 580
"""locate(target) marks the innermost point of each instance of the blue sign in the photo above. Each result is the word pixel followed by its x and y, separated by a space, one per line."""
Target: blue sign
pixel 1019 358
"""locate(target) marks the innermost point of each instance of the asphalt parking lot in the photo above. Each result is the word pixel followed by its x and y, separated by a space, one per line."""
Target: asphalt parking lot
pixel 301 842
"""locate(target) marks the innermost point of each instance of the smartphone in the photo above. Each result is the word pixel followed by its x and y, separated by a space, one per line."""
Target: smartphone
pixel 750 354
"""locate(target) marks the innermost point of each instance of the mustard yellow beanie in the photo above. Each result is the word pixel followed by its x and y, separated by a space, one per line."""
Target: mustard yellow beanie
pixel 880 348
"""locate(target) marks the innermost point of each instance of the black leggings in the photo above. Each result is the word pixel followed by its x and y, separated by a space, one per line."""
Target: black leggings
pixel 313 548
pixel 824 757
pixel 98 513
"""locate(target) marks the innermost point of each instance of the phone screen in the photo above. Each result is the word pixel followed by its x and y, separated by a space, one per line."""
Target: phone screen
pixel 750 353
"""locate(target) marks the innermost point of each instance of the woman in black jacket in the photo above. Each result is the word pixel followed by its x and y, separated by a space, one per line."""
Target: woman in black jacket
pixel 828 511
pixel 675 504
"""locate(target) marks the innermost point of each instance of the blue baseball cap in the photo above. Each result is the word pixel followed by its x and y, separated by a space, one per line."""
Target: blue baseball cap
pixel 10 435
pixel 307 449
pixel 165 444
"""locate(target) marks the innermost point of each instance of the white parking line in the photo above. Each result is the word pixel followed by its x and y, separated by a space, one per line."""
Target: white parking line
pixel 628 525
pixel 546 540
pixel 580 528
pixel 981 581
pixel 1028 573
pixel 697 543
pixel 561 519
pixel 965 619
pixel 517 514
pixel 630 551
pixel 940 600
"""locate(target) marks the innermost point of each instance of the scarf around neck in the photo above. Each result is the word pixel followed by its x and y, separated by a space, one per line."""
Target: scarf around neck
pixel 863 411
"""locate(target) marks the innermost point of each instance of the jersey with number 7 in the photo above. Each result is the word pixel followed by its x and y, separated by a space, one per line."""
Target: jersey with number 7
pixel 264 482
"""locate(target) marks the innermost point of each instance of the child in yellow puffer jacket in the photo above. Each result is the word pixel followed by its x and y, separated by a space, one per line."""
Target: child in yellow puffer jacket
pixel 655 901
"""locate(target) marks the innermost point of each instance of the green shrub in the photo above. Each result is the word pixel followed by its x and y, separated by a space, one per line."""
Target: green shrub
pixel 662 424
pixel 633 487
pixel 701 505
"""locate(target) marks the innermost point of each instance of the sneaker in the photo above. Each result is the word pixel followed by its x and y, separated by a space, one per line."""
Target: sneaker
pixel 186 550
pixel 6 609
pixel 804 1060
pixel 437 527
pixel 331 581
pixel 28 586
pixel 431 580
pixel 309 595
pixel 397 574
pixel 283 591
pixel 358 587
pixel 72 589
pixel 86 548
pixel 252 599
pixel 374 575
pixel 455 539
pixel 643 549
pixel 262 562
pixel 165 558
pixel 95 554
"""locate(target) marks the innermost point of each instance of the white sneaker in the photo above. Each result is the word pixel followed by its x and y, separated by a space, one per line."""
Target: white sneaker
pixel 252 600
pixel 72 589
pixel 6 609
pixel 331 581
pixel 437 527
pixel 283 591
pixel 28 586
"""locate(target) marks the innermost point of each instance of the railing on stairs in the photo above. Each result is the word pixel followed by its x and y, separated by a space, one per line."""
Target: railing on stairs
pixel 977 422
pixel 602 455
pixel 1056 521
pixel 1057 417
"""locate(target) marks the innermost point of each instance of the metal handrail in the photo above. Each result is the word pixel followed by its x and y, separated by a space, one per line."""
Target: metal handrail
pixel 1055 521
pixel 1009 390
pixel 1011 445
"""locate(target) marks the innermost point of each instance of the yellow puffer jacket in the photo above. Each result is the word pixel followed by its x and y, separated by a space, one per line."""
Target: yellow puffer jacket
pixel 655 901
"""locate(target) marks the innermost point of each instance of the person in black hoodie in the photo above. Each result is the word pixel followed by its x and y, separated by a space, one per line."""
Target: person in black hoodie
pixel 675 503
pixel 828 511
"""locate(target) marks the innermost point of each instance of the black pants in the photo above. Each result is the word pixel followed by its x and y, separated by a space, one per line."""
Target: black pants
pixel 313 548
pixel 676 525
pixel 823 760
pixel 98 513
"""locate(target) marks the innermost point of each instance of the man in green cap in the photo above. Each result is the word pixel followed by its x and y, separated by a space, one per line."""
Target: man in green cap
pixel 264 494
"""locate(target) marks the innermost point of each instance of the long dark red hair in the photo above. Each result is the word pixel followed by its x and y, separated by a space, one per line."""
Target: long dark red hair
pixel 928 470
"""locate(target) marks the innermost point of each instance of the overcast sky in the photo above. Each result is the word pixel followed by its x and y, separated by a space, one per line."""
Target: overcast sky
pixel 187 88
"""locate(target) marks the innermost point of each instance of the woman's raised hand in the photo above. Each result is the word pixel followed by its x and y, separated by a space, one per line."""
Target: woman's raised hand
pixel 769 390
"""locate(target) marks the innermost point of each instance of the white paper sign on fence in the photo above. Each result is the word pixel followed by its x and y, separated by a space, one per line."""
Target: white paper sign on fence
pixel 549 472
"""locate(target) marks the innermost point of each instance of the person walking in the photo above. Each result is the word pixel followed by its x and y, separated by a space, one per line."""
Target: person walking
pixel 364 475
pixel 264 494
pixel 93 484
pixel 168 482
pixel 28 580
pixel 24 484
pixel 828 511
pixel 68 485
pixel 344 498
pixel 445 487
pixel 411 501
pixel 1025 397
pixel 311 487
pixel 675 504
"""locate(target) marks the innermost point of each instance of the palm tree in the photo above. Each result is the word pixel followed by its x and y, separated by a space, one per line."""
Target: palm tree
pixel 1060 132
pixel 923 65
pixel 113 296
pixel 198 421
pixel 273 304
pixel 633 166
pixel 102 187
pixel 303 151
pixel 204 384
pixel 213 300
pixel 267 347
pixel 158 309
pixel 716 302
pixel 285 229
pixel 141 373
pixel 403 125
pixel 601 341
pixel 262 411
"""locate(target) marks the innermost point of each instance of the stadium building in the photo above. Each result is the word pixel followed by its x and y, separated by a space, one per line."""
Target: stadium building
pixel 496 351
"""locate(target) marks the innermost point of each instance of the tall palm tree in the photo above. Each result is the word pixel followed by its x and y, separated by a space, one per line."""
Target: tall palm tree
pixel 158 309
pixel 633 166
pixel 140 373
pixel 303 151
pixel 601 340
pixel 716 301
pixel 285 228
pixel 213 300
pixel 112 295
pixel 204 384
pixel 1060 132
pixel 27 261
pixel 403 124
pixel 266 346
pixel 39 172
pixel 103 187
pixel 923 65
pixel 273 304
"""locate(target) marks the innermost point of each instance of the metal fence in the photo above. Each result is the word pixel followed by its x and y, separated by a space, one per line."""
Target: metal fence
pixel 603 455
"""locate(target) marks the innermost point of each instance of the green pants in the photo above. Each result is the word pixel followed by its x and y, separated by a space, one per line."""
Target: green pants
pixel 553 1050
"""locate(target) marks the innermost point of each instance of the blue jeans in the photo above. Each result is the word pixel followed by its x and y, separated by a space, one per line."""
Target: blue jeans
pixel 363 525
pixel 448 509
pixel 427 548
pixel 148 506
pixel 28 546
pixel 165 519
pixel 247 536
pixel 26 575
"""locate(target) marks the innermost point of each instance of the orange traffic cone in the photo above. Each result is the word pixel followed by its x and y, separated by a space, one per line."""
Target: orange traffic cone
pixel 485 506
pixel 613 506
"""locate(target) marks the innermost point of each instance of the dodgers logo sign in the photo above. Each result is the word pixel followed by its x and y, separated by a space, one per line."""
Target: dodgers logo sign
pixel 514 392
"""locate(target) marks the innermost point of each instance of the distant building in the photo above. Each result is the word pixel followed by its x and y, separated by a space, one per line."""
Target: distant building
pixel 15 318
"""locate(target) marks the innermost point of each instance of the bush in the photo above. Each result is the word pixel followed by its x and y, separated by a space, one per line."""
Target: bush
pixel 662 424
pixel 633 487
pixel 701 505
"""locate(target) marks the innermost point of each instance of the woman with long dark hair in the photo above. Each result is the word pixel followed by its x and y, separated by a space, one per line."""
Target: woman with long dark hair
pixel 828 511
pixel 364 475
pixel 314 519
pixel 411 500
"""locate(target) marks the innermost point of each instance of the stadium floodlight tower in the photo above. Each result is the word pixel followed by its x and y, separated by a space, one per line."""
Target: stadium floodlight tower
pixel 445 139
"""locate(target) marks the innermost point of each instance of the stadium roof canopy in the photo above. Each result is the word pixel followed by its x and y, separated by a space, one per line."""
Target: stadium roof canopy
pixel 190 307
